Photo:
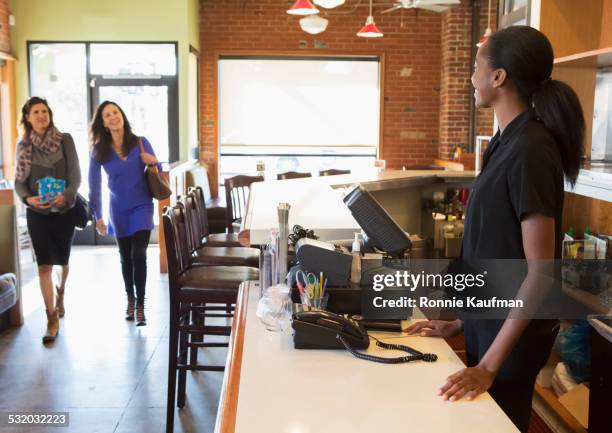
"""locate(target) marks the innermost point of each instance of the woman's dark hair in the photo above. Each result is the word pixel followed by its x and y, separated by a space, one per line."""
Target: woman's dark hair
pixel 25 111
pixel 527 57
pixel 101 139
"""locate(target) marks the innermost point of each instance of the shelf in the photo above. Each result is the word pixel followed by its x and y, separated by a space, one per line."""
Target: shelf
pixel 585 298
pixel 550 399
pixel 593 183
pixel 589 59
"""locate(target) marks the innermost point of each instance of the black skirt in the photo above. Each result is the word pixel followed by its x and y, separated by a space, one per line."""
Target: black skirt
pixel 51 236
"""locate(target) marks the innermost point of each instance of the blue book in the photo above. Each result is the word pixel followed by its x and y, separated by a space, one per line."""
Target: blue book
pixel 49 187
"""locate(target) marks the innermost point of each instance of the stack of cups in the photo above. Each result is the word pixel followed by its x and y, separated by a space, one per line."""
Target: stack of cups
pixel 283 239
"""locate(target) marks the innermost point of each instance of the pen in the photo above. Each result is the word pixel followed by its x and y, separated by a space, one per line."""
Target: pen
pixel 320 284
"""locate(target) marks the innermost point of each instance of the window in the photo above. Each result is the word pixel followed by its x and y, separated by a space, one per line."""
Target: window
pixel 132 59
pixel 58 73
pixel 75 77
pixel 302 114
pixel 141 77
pixel 514 13
pixel 193 96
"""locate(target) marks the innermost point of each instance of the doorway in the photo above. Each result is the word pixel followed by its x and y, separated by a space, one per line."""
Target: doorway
pixel 75 77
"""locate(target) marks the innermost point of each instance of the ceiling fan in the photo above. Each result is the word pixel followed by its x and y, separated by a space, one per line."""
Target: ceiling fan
pixel 430 5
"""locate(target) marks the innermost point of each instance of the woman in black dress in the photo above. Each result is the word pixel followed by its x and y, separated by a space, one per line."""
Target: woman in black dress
pixel 45 151
pixel 514 210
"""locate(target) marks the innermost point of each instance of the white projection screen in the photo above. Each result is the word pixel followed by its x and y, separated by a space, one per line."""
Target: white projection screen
pixel 299 102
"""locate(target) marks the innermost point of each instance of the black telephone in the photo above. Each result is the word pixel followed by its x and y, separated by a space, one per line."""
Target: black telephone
pixel 325 330
pixel 318 330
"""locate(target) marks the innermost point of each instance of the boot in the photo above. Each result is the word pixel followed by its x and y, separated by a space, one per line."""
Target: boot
pixel 52 327
pixel 59 303
pixel 131 306
pixel 140 314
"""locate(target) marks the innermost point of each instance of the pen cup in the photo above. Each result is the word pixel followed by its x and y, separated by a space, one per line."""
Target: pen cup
pixel 314 303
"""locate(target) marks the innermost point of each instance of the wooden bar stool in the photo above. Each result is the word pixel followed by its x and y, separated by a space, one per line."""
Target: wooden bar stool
pixel 211 239
pixel 292 175
pixel 333 172
pixel 192 290
pixel 206 255
pixel 236 195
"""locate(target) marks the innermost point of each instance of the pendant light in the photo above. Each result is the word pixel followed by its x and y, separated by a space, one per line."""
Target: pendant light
pixel 488 32
pixel 303 7
pixel 313 24
pixel 370 30
pixel 329 4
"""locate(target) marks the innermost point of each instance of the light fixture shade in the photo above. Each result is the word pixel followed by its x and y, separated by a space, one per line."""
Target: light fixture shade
pixel 487 35
pixel 370 30
pixel 313 24
pixel 303 7
pixel 329 4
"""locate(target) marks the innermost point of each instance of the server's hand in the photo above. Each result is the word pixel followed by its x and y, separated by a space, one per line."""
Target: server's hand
pixel 469 383
pixel 435 328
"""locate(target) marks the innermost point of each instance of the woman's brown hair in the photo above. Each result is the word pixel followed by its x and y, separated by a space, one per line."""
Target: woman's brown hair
pixel 25 111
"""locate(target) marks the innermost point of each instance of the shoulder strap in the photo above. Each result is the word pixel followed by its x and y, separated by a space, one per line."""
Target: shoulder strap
pixel 142 149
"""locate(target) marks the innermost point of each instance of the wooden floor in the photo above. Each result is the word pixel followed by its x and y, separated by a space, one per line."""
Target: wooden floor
pixel 107 373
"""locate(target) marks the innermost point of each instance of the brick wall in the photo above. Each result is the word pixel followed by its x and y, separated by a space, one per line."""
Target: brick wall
pixel 4 27
pixel 414 58
pixel 455 85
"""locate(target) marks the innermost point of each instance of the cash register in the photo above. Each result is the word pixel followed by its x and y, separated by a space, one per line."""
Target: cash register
pixel 382 234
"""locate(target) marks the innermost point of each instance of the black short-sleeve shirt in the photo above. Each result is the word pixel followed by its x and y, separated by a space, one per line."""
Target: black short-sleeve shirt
pixel 522 174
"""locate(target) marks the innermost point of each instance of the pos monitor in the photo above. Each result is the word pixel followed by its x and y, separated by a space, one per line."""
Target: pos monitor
pixel 380 228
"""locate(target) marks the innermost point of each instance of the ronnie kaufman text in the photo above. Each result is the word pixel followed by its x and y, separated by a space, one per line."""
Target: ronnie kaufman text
pixel 424 302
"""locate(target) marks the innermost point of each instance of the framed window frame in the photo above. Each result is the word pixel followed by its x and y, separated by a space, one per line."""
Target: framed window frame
pixel 507 17
pixel 170 80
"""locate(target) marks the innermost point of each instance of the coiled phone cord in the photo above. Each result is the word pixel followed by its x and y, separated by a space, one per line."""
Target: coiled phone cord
pixel 415 355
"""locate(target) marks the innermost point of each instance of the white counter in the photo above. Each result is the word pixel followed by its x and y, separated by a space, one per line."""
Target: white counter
pixel 316 203
pixel 329 391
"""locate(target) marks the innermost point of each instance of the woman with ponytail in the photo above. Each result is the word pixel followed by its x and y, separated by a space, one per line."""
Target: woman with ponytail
pixel 514 210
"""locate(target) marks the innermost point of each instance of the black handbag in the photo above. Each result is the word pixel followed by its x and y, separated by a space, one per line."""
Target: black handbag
pixel 83 214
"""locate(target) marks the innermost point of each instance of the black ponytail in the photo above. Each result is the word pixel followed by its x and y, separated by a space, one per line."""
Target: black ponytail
pixel 527 57
pixel 559 109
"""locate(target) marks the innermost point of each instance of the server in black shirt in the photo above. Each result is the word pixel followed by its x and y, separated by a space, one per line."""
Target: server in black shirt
pixel 514 210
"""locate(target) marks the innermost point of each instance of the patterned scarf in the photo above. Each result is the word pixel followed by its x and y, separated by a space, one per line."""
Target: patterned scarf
pixel 48 143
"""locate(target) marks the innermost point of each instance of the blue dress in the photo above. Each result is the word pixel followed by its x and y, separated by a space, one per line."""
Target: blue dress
pixel 131 204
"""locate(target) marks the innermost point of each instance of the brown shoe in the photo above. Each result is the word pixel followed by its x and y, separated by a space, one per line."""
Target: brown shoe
pixel 140 315
pixel 59 302
pixel 52 327
pixel 129 311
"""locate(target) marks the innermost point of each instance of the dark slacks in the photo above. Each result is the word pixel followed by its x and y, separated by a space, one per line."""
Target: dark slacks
pixel 512 389
pixel 133 252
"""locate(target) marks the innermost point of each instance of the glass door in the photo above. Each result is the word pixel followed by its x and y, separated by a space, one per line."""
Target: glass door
pixel 148 107
pixel 141 77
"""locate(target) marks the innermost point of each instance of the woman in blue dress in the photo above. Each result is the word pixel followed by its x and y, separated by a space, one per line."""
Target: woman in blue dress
pixel 116 149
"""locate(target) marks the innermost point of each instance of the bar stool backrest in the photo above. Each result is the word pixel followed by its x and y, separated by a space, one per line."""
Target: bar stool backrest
pixel 198 195
pixel 333 172
pixel 292 175
pixel 179 258
pixel 236 195
pixel 192 222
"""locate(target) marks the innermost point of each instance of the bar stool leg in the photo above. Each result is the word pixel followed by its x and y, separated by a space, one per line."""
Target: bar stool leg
pixel 183 349
pixel 198 318
pixel 172 355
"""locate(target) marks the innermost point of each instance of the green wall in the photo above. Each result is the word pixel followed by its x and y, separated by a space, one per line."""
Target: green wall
pixel 108 20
